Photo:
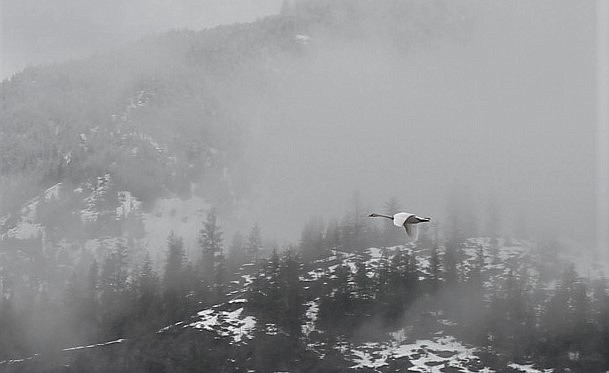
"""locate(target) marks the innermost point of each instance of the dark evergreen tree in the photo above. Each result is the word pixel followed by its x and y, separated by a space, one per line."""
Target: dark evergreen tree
pixel 174 288
pixel 449 264
pixel 148 307
pixel 292 297
pixel 435 270
pixel 211 242
pixel 363 283
pixel 115 299
pixel 220 278
pixel 312 241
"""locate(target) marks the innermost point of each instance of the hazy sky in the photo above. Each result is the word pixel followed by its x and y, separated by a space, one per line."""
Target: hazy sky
pixel 44 31
pixel 507 112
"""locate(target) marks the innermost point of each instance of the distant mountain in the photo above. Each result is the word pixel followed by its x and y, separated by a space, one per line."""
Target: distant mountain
pixel 111 258
pixel 162 113
pixel 94 151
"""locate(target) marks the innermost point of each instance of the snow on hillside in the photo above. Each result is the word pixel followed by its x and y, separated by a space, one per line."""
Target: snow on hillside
pixel 26 226
pixel 311 316
pixel 401 349
pixel 230 324
pixel 425 355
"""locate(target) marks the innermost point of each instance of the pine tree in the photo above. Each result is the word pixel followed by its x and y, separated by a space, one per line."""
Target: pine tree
pixel 176 258
pixel 475 274
pixel 114 298
pixel 362 282
pixel 12 341
pixel 254 243
pixel 220 277
pixel 450 264
pixel 174 289
pixel 293 312
pixel 312 242
pixel 114 271
pixel 211 242
pixel 148 291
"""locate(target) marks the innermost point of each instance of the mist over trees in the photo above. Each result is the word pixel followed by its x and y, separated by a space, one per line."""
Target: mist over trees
pixel 517 316
pixel 256 152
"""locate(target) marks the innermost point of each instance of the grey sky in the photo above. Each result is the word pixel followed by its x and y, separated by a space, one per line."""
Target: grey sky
pixel 45 31
pixel 507 113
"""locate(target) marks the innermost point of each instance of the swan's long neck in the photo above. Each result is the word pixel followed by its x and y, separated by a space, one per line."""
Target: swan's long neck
pixel 375 215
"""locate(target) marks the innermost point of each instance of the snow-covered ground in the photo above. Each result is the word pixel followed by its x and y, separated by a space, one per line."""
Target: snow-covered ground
pixel 226 323
pixel 528 368
pixel 27 226
pixel 424 355
pixel 312 309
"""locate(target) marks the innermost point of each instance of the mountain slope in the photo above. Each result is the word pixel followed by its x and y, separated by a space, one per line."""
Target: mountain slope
pixel 230 336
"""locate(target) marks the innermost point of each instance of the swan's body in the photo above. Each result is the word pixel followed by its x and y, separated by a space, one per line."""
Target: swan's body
pixel 405 219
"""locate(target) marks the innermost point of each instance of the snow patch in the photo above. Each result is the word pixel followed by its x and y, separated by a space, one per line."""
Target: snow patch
pixel 528 368
pixel 226 324
pixel 425 355
pixel 311 316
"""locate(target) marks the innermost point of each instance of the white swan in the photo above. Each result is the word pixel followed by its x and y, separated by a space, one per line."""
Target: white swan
pixel 405 219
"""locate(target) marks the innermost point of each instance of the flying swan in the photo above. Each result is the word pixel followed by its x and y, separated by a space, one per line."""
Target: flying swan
pixel 405 219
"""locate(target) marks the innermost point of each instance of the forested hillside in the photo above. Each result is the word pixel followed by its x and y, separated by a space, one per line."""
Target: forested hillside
pixel 346 298
pixel 128 242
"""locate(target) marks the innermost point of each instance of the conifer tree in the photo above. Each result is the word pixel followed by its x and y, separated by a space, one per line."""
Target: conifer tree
pixel 148 289
pixel 450 264
pixel 176 258
pixel 220 278
pixel 174 290
pixel 312 242
pixel 434 268
pixel 293 312
pixel 362 281
pixel 254 243
pixel 211 242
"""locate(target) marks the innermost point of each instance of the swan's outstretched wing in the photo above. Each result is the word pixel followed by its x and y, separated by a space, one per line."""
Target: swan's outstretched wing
pixel 412 231
pixel 400 218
